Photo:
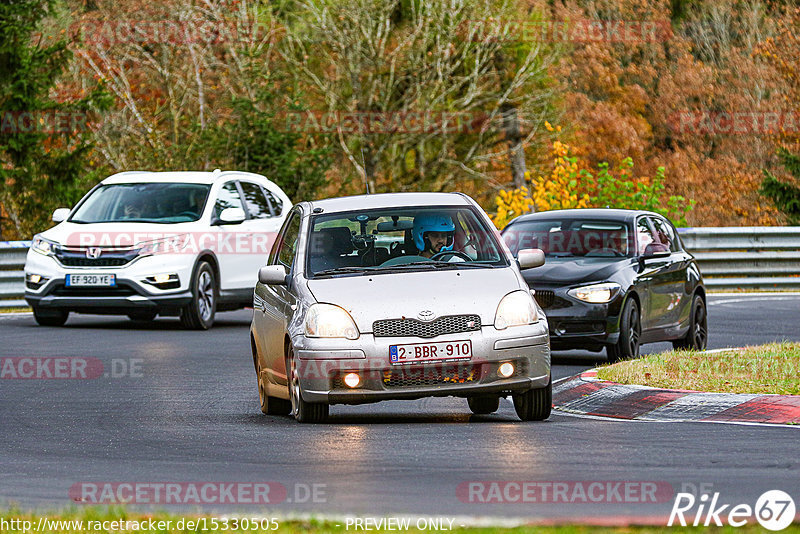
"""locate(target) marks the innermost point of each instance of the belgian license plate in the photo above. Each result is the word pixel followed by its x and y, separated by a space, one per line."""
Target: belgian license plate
pixel 430 352
pixel 102 280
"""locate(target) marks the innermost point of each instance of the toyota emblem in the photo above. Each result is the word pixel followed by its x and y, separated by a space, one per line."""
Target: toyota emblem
pixel 425 315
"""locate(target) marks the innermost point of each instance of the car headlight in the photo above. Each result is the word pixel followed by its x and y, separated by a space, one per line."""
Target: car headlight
pixel 327 320
pixel 596 293
pixel 161 246
pixel 515 309
pixel 43 246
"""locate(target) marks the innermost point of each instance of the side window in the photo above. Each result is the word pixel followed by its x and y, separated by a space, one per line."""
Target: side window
pixel 666 234
pixel 644 235
pixel 286 246
pixel 256 202
pixel 275 202
pixel 228 197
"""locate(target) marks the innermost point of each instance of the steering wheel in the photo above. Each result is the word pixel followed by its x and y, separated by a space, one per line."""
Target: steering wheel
pixel 604 252
pixel 451 253
pixel 186 214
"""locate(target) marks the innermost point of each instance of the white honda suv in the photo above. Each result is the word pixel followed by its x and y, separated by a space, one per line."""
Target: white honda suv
pixel 144 244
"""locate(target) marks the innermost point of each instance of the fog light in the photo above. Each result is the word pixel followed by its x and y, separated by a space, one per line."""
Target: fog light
pixel 352 380
pixel 505 370
pixel 35 278
pixel 161 278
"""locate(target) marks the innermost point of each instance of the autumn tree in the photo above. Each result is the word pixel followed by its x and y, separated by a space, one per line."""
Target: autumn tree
pixel 421 95
pixel 44 140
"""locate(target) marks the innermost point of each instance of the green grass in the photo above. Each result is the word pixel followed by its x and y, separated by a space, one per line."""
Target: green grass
pixel 773 368
pixel 313 526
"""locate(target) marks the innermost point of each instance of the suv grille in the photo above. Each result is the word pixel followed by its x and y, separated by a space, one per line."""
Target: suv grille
pixel 109 257
pixel 87 262
pixel 450 324
pixel 431 376
pixel 120 291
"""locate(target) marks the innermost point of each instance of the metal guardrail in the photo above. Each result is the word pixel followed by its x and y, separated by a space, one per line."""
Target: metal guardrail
pixel 753 257
pixel 12 276
pixel 757 258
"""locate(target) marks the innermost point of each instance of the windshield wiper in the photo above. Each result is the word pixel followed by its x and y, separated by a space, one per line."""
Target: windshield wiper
pixel 342 270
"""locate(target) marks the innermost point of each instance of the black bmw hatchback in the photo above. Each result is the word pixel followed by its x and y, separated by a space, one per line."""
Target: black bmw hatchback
pixel 613 279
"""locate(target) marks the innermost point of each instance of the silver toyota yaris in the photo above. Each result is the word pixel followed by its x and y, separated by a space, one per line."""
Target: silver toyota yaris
pixel 397 296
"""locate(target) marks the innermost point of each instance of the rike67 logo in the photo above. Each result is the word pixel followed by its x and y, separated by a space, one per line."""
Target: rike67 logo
pixel 774 510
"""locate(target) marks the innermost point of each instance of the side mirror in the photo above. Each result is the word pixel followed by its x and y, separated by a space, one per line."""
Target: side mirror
pixel 272 275
pixel 529 258
pixel 60 215
pixel 656 250
pixel 231 216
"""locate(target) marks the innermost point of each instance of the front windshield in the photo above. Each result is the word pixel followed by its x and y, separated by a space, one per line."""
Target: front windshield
pixel 388 240
pixel 143 202
pixel 571 238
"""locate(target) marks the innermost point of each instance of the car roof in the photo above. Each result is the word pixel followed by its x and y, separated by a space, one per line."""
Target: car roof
pixel 390 200
pixel 603 214
pixel 195 177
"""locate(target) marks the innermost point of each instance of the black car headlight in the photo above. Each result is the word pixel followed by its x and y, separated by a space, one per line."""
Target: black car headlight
pixel 596 293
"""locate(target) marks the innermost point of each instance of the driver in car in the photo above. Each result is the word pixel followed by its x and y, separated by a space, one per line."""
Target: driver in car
pixel 433 233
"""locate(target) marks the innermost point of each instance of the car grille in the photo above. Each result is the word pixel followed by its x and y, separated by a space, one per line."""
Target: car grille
pixel 76 257
pixel 87 262
pixel 548 299
pixel 119 291
pixel 545 298
pixel 431 376
pixel 450 324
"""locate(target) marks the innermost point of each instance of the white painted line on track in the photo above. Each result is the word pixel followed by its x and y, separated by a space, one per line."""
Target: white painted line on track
pixel 607 419
pixel 757 294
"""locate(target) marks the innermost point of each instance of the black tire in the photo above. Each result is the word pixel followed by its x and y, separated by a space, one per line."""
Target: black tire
pixel 50 317
pixel 303 411
pixel 199 313
pixel 534 404
pixel 484 405
pixel 697 336
pixel 269 405
pixel 143 315
pixel 630 331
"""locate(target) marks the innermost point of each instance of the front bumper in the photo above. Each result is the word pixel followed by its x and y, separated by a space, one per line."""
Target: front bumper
pixel 322 364
pixel 130 294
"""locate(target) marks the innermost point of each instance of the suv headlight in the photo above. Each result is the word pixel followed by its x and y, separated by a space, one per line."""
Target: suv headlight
pixel 596 293
pixel 43 246
pixel 162 246
pixel 515 309
pixel 327 320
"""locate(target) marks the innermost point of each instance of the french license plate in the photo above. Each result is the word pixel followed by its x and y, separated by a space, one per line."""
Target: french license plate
pixel 430 352
pixel 103 280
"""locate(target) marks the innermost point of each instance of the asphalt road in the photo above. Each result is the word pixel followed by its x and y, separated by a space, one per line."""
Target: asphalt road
pixel 186 410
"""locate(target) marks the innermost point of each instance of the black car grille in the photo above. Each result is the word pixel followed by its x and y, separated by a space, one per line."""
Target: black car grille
pixel 119 291
pixel 548 299
pixel 450 324
pixel 431 376
pixel 76 257
pixel 545 298
pixel 88 262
